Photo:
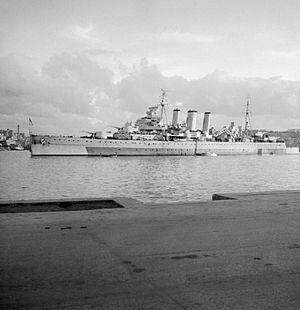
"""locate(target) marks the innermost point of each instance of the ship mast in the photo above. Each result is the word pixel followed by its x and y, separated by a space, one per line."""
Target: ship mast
pixel 247 119
pixel 163 99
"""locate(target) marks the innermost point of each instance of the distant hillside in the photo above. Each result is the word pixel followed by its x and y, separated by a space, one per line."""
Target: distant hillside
pixel 291 138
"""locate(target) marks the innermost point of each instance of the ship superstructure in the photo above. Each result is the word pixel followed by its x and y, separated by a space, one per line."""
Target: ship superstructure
pixel 152 135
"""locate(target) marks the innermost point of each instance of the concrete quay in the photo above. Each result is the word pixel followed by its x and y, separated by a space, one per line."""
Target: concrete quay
pixel 241 253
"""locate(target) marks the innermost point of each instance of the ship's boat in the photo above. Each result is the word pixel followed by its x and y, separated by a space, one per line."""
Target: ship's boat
pixel 212 154
pixel 151 135
pixel 14 147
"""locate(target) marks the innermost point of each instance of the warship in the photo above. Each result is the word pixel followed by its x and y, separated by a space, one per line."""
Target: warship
pixel 151 135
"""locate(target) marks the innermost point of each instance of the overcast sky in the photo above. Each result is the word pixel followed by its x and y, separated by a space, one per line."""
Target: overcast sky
pixel 85 65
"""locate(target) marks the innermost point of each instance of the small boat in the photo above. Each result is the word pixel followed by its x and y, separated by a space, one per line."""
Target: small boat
pixel 108 155
pixel 16 148
pixel 208 154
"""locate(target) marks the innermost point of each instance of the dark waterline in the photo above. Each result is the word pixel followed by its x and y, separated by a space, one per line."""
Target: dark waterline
pixel 149 179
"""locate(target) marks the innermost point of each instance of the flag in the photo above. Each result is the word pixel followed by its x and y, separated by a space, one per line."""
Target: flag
pixel 30 121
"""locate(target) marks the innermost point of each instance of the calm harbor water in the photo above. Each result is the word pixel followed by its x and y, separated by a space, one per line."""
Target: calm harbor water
pixel 149 179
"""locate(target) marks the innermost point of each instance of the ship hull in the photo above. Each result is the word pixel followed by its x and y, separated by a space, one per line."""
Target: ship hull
pixel 68 146
pixel 241 148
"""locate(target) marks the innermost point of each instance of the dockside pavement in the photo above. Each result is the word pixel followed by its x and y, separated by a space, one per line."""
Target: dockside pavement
pixel 240 253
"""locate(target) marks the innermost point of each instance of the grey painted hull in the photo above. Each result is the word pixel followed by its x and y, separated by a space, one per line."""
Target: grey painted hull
pixel 54 145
